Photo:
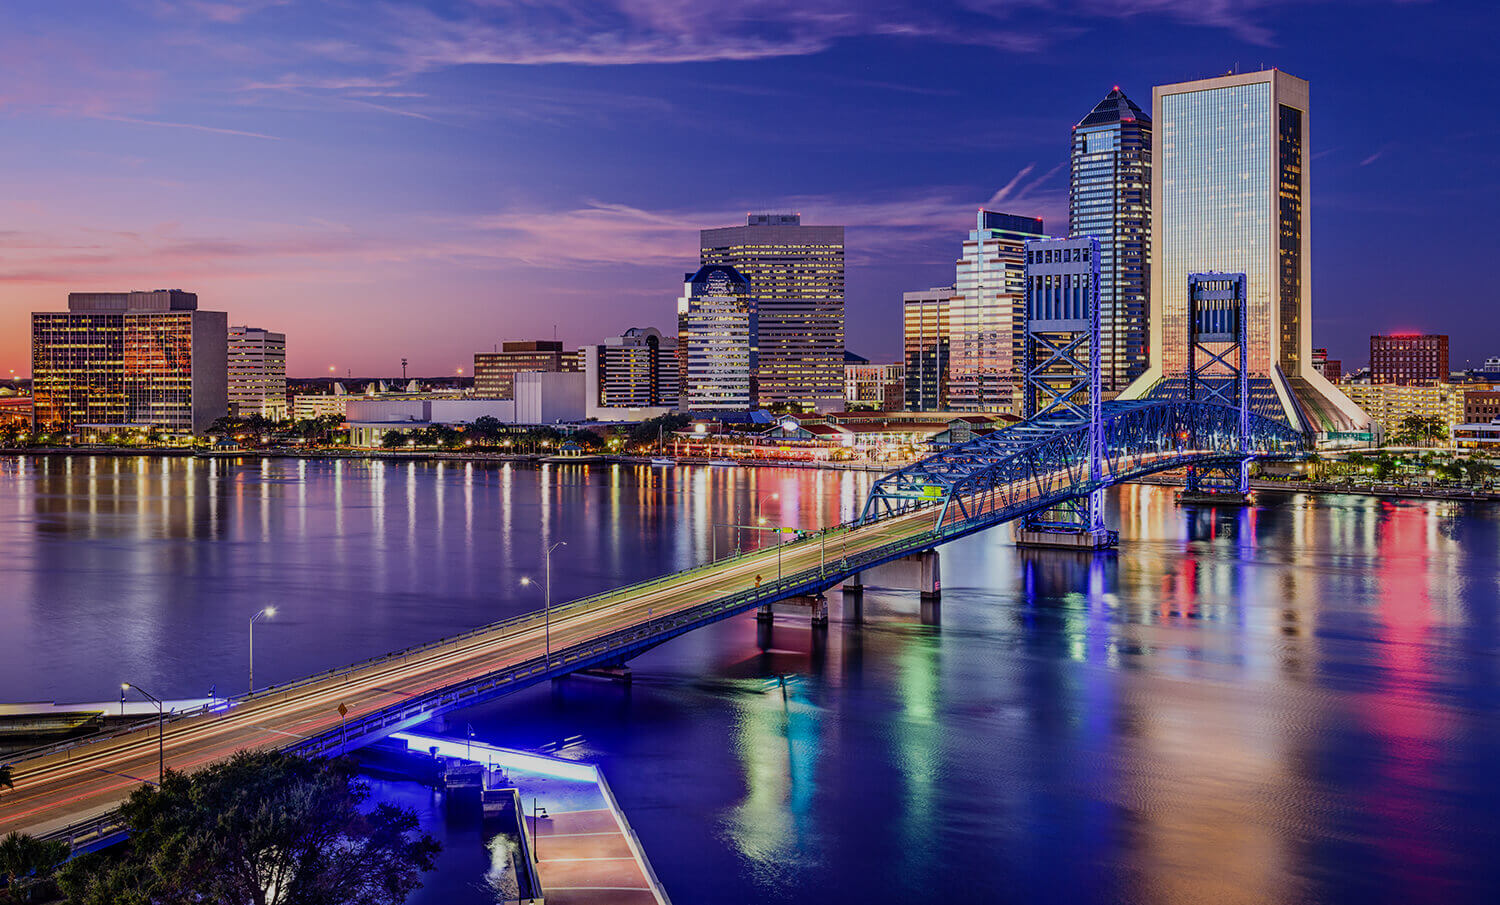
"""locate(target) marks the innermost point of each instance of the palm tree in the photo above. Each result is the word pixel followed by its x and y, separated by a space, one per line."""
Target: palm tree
pixel 5 780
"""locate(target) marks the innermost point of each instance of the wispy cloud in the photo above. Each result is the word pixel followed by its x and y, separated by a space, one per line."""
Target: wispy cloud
pixel 196 127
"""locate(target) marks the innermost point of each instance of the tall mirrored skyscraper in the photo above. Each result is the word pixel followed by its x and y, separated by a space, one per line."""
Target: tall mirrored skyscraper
pixel 1229 193
pixel 1110 199
pixel 986 320
pixel 796 276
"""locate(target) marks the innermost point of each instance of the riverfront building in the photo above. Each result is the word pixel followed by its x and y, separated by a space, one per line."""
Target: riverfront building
pixel 121 361
pixel 1110 199
pixel 495 372
pixel 926 339
pixel 796 276
pixel 631 377
pixel 1409 358
pixel 874 386
pixel 716 324
pixel 1229 193
pixel 986 319
pixel 257 373
pixel 1388 403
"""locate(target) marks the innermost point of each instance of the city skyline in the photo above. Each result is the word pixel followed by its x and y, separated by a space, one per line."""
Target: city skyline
pixel 229 171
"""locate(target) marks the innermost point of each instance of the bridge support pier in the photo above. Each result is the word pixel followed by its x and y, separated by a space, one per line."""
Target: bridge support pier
pixel 854 598
pixel 930 584
pixel 1080 539
pixel 764 615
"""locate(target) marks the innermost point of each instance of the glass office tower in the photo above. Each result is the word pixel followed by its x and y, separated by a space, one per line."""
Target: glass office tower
pixel 716 342
pixel 986 320
pixel 1229 193
pixel 1110 199
pixel 926 337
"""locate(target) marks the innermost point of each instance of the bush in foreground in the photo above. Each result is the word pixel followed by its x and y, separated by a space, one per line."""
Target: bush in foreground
pixel 262 828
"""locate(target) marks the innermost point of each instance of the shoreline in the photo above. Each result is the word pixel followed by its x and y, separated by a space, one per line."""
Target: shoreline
pixel 1165 480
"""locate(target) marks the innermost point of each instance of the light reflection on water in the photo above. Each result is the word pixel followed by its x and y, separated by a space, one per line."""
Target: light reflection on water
pixel 1291 703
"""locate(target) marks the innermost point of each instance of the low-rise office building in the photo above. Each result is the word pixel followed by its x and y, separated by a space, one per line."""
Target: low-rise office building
pixel 631 377
pixel 1388 403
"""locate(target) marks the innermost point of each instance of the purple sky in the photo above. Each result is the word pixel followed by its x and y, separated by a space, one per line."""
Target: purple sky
pixel 386 179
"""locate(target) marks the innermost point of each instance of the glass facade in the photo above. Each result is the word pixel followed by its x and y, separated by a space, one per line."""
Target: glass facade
pixel 796 276
pixel 1214 157
pixel 78 369
pixel 1110 200
pixel 716 328
pixel 986 318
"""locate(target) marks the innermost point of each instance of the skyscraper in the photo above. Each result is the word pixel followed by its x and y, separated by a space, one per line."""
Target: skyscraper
pixel 1229 193
pixel 796 276
pixel 986 317
pixel 257 373
pixel 130 360
pixel 716 341
pixel 926 336
pixel 1110 199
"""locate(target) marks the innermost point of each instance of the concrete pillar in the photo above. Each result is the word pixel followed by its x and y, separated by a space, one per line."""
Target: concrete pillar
pixel 764 614
pixel 930 585
pixel 819 607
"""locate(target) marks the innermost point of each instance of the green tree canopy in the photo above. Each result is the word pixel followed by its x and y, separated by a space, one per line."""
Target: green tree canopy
pixel 262 828
pixel 27 863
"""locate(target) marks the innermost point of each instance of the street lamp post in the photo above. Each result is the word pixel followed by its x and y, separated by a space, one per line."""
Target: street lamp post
pixel 547 597
pixel 161 729
pixel 268 612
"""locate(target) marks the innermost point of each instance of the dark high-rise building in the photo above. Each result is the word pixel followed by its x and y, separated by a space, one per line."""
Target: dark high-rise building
pixel 495 372
pixel 119 361
pixel 1409 358
pixel 796 276
pixel 926 336
pixel 1110 199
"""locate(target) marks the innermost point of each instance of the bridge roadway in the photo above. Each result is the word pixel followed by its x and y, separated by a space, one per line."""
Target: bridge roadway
pixel 65 787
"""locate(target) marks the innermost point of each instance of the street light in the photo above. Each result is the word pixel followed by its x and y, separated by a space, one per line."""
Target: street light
pixel 268 612
pixel 547 598
pixel 161 729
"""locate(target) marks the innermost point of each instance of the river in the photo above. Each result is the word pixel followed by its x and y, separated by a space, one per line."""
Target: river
pixel 1298 702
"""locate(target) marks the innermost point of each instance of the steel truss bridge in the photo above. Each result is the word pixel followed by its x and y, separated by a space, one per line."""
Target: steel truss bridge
pixel 1040 464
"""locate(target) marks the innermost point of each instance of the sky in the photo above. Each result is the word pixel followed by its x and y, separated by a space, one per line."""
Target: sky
pixel 382 180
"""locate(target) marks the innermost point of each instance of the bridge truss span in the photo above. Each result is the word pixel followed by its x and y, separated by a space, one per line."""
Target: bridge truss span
pixel 1034 465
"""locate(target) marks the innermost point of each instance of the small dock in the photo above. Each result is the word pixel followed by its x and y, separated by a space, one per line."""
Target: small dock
pixel 583 848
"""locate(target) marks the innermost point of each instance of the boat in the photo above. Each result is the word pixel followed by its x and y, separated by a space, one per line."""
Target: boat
pixel 664 462
pixel 727 462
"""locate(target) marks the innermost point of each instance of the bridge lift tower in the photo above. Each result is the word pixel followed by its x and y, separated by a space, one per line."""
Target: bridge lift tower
pixel 1219 372
pixel 1061 379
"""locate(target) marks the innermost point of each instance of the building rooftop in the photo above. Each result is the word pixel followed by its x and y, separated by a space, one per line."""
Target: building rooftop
pixel 1115 107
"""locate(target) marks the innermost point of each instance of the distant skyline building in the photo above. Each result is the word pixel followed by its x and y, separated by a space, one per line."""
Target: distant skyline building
pixel 1408 358
pixel 716 323
pixel 796 276
pixel 986 317
pixel 926 343
pixel 1229 194
pixel 120 361
pixel 1331 368
pixel 257 373
pixel 636 372
pixel 1110 199
pixel 495 372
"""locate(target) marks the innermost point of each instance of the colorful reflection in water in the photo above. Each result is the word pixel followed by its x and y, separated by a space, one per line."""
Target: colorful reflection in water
pixel 1298 702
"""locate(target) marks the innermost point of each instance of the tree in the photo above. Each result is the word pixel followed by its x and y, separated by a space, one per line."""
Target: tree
pixel 262 828
pixel 5 777
pixel 27 863
pixel 1414 430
